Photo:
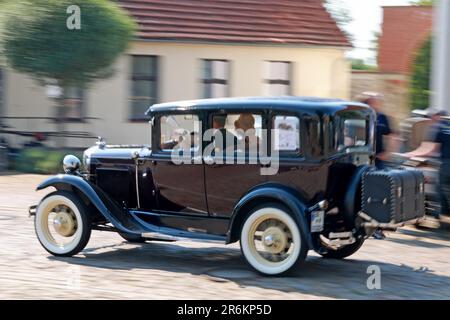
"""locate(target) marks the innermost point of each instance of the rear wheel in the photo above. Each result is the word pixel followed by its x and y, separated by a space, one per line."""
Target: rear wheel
pixel 271 240
pixel 343 252
pixel 62 223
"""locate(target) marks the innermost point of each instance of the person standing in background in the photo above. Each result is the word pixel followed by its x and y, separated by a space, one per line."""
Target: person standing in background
pixel 438 143
pixel 375 100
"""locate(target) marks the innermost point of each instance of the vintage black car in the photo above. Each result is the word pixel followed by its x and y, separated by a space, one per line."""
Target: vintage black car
pixel 310 184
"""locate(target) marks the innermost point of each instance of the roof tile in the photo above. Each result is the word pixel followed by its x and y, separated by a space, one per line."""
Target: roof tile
pixel 242 21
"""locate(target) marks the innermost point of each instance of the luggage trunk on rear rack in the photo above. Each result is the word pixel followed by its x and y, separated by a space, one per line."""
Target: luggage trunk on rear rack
pixel 393 196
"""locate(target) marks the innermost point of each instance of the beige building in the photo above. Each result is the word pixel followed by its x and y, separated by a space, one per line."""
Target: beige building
pixel 215 49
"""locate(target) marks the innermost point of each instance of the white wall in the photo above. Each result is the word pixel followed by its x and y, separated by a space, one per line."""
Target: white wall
pixel 317 71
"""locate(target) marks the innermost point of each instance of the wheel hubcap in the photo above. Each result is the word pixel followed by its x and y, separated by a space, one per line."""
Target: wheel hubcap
pixel 274 240
pixel 270 240
pixel 64 224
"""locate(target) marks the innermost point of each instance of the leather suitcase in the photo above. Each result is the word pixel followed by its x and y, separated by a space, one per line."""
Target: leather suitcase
pixel 393 196
pixel 420 193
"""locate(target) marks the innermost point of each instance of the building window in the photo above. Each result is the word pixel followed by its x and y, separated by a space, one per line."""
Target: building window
pixel 73 104
pixel 215 78
pixel 277 78
pixel 144 88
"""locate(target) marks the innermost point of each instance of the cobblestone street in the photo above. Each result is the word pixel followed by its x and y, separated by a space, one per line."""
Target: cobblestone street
pixel 414 265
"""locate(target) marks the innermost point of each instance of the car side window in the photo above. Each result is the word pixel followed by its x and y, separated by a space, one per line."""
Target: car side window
pixel 355 132
pixel 351 132
pixel 179 131
pixel 241 132
pixel 286 134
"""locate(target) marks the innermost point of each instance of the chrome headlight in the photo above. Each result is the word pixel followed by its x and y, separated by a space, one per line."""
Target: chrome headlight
pixel 71 164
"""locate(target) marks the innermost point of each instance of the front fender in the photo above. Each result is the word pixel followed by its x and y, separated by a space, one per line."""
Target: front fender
pixel 279 194
pixel 108 208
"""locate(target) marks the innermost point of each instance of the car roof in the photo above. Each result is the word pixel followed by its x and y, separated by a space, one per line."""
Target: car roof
pixel 287 103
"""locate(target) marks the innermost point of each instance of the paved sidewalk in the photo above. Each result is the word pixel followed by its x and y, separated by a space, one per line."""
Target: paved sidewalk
pixel 414 264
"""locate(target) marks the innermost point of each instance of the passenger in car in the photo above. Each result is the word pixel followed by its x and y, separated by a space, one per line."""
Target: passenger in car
pixel 223 138
pixel 245 127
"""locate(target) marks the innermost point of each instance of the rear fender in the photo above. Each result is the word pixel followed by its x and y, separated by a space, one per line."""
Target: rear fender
pixel 352 201
pixel 279 194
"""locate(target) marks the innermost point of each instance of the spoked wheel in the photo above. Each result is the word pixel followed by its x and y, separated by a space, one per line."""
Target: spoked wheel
pixel 62 224
pixel 271 241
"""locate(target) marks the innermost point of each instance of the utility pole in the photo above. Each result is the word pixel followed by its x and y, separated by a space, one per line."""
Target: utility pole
pixel 440 79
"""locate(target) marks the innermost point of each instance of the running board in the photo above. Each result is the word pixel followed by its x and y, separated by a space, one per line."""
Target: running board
pixel 164 230
pixel 176 235
pixel 158 236
pixel 165 227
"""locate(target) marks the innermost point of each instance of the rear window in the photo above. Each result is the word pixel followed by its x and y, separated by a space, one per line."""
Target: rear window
pixel 286 134
pixel 350 130
pixel 354 133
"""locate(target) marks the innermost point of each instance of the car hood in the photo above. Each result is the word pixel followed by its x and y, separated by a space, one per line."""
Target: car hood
pixel 117 152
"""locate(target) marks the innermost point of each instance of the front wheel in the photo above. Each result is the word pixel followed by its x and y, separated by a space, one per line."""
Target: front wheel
pixel 271 240
pixel 62 224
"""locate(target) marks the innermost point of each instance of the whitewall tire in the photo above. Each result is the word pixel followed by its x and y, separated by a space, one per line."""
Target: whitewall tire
pixel 62 223
pixel 271 240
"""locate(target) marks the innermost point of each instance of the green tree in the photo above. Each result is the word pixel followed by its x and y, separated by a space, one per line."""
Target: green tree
pixel 423 2
pixel 359 64
pixel 420 79
pixel 341 13
pixel 35 39
pixel 68 43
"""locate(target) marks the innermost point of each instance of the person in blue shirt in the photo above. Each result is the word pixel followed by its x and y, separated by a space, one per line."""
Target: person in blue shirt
pixel 438 143
pixel 443 139
pixel 383 127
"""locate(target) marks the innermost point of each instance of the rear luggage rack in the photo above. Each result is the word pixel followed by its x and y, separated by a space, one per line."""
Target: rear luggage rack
pixel 371 223
pixel 337 240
